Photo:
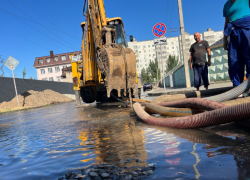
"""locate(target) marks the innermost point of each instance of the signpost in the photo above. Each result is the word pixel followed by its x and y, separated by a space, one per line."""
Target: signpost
pixel 12 63
pixel 159 30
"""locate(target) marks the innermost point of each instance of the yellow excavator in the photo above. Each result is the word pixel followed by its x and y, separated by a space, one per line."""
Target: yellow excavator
pixel 106 68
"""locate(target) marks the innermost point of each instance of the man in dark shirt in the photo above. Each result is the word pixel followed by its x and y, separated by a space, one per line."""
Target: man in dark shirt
pixel 198 61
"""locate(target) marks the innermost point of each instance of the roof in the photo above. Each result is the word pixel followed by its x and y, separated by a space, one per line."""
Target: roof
pixel 52 62
pixel 67 69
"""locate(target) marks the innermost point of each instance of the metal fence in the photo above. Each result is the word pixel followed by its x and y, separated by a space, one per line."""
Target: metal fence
pixel 7 90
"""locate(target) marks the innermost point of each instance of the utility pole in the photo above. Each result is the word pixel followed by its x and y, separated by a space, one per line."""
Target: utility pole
pixel 183 40
pixel 162 74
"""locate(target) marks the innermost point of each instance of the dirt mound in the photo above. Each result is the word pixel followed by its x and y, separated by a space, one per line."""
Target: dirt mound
pixel 34 99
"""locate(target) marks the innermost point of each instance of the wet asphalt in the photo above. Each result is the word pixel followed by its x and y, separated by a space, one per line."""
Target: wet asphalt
pixel 46 143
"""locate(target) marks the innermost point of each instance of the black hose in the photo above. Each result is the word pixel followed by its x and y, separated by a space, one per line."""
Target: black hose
pixel 84 7
pixel 119 99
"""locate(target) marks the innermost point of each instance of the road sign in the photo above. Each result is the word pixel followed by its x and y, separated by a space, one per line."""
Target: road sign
pixel 159 29
pixel 11 63
pixel 161 40
pixel 76 58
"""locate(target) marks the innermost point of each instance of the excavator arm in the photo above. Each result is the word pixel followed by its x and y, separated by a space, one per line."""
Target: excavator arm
pixel 105 56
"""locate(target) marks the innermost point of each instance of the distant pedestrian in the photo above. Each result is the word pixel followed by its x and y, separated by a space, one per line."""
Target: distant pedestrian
pixel 237 27
pixel 198 61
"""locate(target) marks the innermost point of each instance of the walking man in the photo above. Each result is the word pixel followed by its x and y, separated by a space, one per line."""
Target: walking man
pixel 198 61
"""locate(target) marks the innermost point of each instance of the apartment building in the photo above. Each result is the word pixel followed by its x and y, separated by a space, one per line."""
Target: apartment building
pixel 146 51
pixel 49 68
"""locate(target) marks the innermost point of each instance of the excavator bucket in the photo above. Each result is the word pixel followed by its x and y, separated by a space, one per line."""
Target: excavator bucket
pixel 118 66
pixel 130 69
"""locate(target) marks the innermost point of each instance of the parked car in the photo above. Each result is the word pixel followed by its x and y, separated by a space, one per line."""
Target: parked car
pixel 147 86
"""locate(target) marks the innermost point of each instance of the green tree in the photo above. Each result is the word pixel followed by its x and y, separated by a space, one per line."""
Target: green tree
pixel 24 72
pixel 145 74
pixel 1 66
pixel 32 78
pixel 172 62
pixel 153 65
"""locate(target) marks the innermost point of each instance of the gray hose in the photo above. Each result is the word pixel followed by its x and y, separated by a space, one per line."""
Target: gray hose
pixel 233 93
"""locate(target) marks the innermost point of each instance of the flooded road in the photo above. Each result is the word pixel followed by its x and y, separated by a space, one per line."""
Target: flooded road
pixel 48 142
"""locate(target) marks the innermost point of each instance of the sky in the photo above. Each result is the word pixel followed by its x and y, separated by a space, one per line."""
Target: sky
pixel 33 28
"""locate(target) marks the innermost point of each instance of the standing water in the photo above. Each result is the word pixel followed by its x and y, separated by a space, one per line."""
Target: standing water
pixel 47 143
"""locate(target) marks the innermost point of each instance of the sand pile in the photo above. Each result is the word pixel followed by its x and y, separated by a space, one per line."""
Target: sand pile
pixel 34 99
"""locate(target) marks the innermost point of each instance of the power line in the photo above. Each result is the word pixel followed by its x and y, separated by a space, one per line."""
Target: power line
pixel 41 24
pixel 48 20
pixel 41 32
pixel 24 38
pixel 173 5
pixel 35 22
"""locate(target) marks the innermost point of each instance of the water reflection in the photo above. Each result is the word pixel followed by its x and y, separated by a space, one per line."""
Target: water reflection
pixel 122 144
pixel 49 142
pixel 216 147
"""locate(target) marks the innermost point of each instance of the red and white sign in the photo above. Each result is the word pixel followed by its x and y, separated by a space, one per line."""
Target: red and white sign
pixel 159 29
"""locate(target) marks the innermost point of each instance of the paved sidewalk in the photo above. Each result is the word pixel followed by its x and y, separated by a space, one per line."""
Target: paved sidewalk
pixel 157 91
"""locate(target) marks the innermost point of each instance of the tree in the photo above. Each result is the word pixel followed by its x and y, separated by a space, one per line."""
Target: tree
pixel 1 66
pixel 32 78
pixel 172 62
pixel 24 72
pixel 153 65
pixel 145 74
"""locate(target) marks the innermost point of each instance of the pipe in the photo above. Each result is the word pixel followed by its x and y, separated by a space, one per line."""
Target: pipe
pixel 233 93
pixel 194 103
pixel 218 116
pixel 168 111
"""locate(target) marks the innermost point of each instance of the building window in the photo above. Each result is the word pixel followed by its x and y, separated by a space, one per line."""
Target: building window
pixel 148 45
pixel 57 69
pixel 145 51
pixel 69 56
pixel 139 51
pixel 153 45
pixel 144 46
pixel 47 60
pixel 49 70
pixel 64 67
pixel 56 58
pixel 40 61
pixel 149 55
pixel 51 79
pixel 58 78
pixel 167 48
pixel 176 47
pixel 42 71
pixel 172 47
pixel 45 79
pixel 63 58
pixel 148 50
pixel 172 42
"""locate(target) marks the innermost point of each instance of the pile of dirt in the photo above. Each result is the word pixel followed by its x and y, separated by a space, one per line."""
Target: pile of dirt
pixel 34 99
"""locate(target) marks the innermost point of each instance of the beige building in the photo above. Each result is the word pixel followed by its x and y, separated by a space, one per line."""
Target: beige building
pixel 146 50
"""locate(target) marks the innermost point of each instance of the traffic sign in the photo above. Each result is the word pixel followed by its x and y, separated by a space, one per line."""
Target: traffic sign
pixel 11 63
pixel 160 40
pixel 159 29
